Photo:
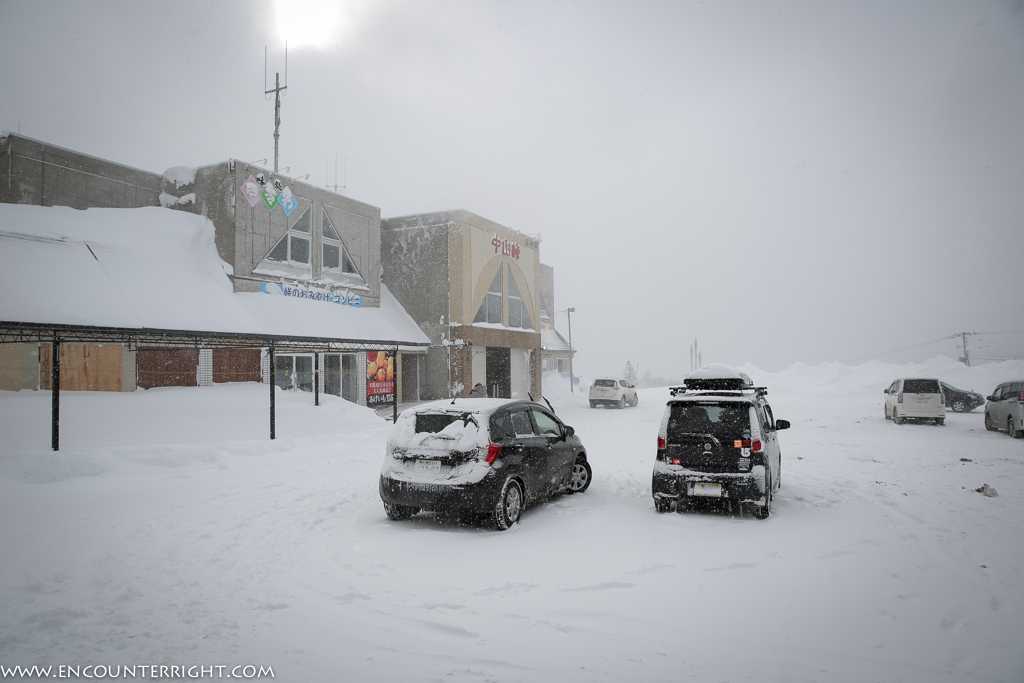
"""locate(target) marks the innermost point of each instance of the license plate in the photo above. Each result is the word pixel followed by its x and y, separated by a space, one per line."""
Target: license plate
pixel 433 466
pixel 703 488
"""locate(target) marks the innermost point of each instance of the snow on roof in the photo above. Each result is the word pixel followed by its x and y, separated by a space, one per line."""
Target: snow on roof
pixel 157 269
pixel 551 340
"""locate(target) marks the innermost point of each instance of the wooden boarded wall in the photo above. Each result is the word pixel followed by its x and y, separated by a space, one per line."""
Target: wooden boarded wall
pixel 158 367
pixel 237 365
pixel 83 367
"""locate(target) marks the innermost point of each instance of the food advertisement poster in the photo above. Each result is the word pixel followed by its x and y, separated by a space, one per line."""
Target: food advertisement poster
pixel 380 378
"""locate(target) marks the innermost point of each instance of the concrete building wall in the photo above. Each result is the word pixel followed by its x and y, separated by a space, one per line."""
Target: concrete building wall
pixel 33 172
pixel 247 233
pixel 415 254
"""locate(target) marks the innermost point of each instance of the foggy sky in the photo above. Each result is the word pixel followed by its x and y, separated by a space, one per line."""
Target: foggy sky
pixel 785 181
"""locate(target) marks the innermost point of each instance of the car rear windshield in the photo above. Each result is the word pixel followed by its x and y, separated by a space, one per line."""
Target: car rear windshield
pixel 435 422
pixel 604 383
pixel 723 420
pixel 921 386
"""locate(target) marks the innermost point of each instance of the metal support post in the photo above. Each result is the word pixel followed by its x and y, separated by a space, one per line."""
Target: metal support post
pixel 316 378
pixel 394 390
pixel 55 387
pixel 273 385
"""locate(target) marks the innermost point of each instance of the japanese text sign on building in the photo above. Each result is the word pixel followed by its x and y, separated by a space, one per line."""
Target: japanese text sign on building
pixel 505 247
pixel 313 294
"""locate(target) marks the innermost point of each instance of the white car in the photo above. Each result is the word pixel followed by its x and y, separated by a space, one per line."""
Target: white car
pixel 612 392
pixel 915 398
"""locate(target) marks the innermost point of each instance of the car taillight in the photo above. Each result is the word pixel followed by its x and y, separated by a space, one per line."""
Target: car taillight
pixel 661 443
pixel 493 451
pixel 755 446
pixel 1020 396
pixel 899 397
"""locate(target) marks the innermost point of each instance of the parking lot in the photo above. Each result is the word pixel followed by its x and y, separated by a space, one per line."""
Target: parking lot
pixel 879 562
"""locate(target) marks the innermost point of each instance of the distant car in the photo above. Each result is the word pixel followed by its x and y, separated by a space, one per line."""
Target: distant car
pixel 718 441
pixel 480 456
pixel 915 398
pixel 1005 409
pixel 613 392
pixel 960 401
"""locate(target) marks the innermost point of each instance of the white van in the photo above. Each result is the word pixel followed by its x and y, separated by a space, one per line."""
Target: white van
pixel 915 398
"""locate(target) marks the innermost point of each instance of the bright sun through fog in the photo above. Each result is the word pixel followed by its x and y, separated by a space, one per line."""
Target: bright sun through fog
pixel 307 23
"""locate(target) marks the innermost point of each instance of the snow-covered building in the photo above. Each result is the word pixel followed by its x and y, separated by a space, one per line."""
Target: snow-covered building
pixel 301 260
pixel 554 347
pixel 473 287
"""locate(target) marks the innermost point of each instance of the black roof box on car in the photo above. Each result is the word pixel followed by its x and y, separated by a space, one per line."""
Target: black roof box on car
pixel 716 378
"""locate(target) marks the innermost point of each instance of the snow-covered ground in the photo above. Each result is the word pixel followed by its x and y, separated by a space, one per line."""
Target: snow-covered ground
pixel 170 530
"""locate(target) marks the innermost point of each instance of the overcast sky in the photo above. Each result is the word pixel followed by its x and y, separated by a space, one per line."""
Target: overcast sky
pixel 784 181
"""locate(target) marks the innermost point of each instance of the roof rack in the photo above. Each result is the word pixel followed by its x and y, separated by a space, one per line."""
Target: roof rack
pixel 718 390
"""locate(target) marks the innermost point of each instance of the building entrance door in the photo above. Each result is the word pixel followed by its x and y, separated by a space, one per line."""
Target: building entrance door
pixel 499 372
pixel 332 374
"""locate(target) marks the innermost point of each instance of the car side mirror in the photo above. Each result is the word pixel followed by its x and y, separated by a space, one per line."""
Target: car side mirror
pixel 567 432
pixel 990 398
pixel 782 424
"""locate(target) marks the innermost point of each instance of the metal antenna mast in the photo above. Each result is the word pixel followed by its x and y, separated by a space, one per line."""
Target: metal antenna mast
pixel 278 88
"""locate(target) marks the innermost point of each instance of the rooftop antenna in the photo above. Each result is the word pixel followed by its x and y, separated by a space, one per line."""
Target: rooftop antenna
pixel 278 88
pixel 335 186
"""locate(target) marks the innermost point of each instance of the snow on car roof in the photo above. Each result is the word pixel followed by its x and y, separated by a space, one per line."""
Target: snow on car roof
pixel 482 406
pixel 718 371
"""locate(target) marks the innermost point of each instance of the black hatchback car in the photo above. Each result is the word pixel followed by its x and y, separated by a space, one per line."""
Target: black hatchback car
pixel 717 442
pixel 480 456
pixel 959 400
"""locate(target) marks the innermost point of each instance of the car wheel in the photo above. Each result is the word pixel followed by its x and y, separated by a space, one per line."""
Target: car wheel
pixel 662 505
pixel 896 418
pixel 581 475
pixel 886 411
pixel 941 421
pixel 509 506
pixel 959 406
pixel 636 399
pixel 593 404
pixel 1009 428
pixel 764 511
pixel 988 422
pixel 399 512
pixel 622 402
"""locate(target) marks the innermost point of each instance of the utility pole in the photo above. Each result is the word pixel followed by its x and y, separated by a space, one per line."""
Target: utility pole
pixel 966 359
pixel 572 378
pixel 278 88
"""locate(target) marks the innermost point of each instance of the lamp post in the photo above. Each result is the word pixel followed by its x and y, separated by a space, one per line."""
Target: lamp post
pixel 568 314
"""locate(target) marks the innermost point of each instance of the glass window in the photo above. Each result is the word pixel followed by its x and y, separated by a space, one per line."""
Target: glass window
pixel 521 423
pixel 921 386
pixel 517 312
pixel 332 255
pixel 724 421
pixel 546 425
pixel 299 248
pixel 335 256
pixel 294 245
pixel 490 308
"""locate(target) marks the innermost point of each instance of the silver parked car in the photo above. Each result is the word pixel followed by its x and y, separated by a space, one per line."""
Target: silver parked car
pixel 1005 409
